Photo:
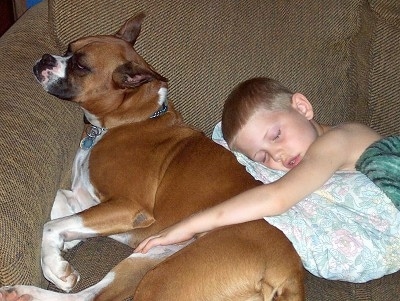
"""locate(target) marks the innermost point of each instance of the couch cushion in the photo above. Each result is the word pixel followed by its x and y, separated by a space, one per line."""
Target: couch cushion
pixel 384 76
pixel 384 289
pixel 207 47
pixel 35 155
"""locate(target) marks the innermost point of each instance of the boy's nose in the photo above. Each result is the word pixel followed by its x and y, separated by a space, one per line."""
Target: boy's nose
pixel 276 157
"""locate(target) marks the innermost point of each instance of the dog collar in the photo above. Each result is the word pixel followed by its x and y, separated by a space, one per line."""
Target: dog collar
pixel 91 134
pixel 161 111
pixel 94 131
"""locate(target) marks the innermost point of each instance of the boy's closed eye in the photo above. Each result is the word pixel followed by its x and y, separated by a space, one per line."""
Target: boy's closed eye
pixel 277 135
pixel 261 156
pixel 274 133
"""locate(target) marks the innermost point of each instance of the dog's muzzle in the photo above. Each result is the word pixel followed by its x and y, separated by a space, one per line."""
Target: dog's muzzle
pixel 51 73
pixel 46 62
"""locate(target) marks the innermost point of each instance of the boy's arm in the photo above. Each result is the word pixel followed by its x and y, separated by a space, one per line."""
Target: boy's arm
pixel 318 165
pixel 336 149
pixel 265 200
pixel 244 207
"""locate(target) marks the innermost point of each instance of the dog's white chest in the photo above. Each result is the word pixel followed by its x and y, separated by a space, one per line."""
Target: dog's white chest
pixel 80 174
pixel 82 194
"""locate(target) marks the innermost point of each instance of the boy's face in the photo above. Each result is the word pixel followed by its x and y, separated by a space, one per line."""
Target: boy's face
pixel 277 139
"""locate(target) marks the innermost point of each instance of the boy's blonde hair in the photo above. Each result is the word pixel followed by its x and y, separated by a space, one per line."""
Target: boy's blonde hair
pixel 247 98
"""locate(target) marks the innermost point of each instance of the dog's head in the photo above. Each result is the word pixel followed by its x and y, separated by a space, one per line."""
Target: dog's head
pixel 106 76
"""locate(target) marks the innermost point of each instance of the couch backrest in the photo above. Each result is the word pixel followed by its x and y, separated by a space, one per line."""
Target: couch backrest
pixel 342 54
pixel 384 65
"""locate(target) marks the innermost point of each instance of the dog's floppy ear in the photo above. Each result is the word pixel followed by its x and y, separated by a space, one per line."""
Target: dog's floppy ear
pixel 130 75
pixel 131 29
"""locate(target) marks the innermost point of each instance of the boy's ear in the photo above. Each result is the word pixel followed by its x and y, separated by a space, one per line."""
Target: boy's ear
pixel 301 104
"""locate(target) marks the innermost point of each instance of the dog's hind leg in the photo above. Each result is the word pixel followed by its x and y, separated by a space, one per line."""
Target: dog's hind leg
pixel 291 289
pixel 32 293
pixel 119 284
pixel 229 263
pixel 129 272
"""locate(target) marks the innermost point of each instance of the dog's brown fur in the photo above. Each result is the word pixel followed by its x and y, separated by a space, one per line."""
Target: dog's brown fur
pixel 151 173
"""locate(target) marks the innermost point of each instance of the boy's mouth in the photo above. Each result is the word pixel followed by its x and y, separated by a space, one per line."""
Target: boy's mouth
pixel 289 164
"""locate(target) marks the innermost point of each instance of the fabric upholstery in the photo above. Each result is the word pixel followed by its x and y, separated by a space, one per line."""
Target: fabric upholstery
pixel 35 154
pixel 313 59
pixel 342 54
pixel 385 68
pixel 327 61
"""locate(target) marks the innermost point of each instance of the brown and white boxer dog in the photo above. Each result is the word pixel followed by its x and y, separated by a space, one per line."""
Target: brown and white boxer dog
pixel 139 169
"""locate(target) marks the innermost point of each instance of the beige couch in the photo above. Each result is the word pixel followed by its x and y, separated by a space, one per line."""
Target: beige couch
pixel 343 54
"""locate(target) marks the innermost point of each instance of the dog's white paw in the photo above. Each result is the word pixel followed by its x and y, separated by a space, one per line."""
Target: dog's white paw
pixel 60 272
pixel 9 293
pixel 55 268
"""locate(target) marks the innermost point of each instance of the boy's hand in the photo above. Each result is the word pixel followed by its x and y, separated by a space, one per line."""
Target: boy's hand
pixel 177 233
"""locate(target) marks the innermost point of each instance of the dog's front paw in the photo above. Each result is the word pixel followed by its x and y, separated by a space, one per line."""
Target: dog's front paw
pixel 55 268
pixel 61 273
pixel 9 293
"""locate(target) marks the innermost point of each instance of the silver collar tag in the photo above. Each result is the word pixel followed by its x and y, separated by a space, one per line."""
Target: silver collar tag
pixel 91 134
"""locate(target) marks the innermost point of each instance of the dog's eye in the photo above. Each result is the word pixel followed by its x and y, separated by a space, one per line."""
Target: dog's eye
pixel 78 65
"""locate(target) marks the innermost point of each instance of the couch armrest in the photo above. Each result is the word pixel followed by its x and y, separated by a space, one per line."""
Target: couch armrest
pixel 38 139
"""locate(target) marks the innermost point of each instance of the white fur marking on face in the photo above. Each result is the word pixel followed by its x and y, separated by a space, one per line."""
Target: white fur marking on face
pixel 51 75
pixel 163 93
pixel 61 69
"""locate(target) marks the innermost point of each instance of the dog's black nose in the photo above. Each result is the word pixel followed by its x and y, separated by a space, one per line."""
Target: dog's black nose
pixel 48 60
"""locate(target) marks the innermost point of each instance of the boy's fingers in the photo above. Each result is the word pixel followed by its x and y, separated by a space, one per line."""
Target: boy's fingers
pixel 139 248
pixel 146 245
pixel 150 244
